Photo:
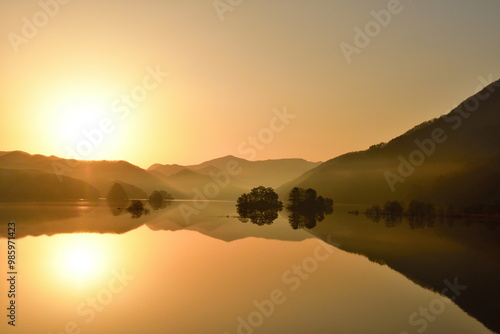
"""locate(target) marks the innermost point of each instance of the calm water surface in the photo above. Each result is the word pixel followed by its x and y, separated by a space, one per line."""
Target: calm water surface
pixel 93 269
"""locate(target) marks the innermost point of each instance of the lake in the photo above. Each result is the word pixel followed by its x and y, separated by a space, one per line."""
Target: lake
pixel 196 268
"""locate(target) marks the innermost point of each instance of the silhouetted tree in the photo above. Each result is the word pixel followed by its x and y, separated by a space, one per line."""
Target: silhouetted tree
pixel 155 200
pixel 137 209
pixel 421 209
pixel 294 197
pixel 261 206
pixel 159 199
pixel 299 221
pixel 375 210
pixel 374 213
pixel 328 206
pixel 419 214
pixel 117 199
pixel 117 193
pixel 307 199
pixel 393 208
pixel 429 211
pixel 306 208
pixel 310 196
pixel 166 195
pixel 260 196
pixel 117 208
pixel 259 217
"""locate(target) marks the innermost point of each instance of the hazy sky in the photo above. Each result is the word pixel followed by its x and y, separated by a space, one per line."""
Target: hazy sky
pixel 100 66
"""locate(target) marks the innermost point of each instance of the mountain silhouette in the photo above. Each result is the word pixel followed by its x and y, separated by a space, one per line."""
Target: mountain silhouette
pixel 453 159
pixel 100 174
pixel 180 181
pixel 35 185
pixel 273 173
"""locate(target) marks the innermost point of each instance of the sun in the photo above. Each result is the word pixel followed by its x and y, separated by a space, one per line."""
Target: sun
pixel 84 126
pixel 80 121
pixel 78 114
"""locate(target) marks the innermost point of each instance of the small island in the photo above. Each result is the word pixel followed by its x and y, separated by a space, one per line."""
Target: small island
pixel 261 206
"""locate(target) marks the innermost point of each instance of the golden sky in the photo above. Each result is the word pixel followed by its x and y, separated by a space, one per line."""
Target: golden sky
pixel 186 81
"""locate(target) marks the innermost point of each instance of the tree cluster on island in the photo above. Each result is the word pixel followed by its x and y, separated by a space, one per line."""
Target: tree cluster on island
pixel 306 208
pixel 118 201
pixel 261 206
pixel 159 199
pixel 117 193
pixel 260 198
pixel 306 200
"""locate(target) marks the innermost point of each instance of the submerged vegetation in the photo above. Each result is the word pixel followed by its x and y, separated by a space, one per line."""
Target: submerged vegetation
pixel 421 214
pixel 119 202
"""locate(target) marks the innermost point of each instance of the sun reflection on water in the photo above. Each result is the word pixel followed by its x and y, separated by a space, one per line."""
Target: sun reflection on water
pixel 81 259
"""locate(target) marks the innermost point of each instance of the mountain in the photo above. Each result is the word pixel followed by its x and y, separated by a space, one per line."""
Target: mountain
pixel 35 185
pixel 23 160
pixel 246 174
pixel 208 185
pixel 271 173
pixel 99 174
pixel 103 174
pixel 453 159
pixel 166 170
pixel 225 177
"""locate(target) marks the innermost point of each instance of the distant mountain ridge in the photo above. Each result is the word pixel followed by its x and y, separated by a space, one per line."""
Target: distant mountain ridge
pixel 270 173
pixel 453 159
pixel 36 185
pixel 180 181
pixel 98 174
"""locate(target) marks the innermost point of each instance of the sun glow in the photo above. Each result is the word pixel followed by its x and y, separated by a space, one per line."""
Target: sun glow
pixel 83 124
pixel 81 258
pixel 81 261
pixel 78 114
